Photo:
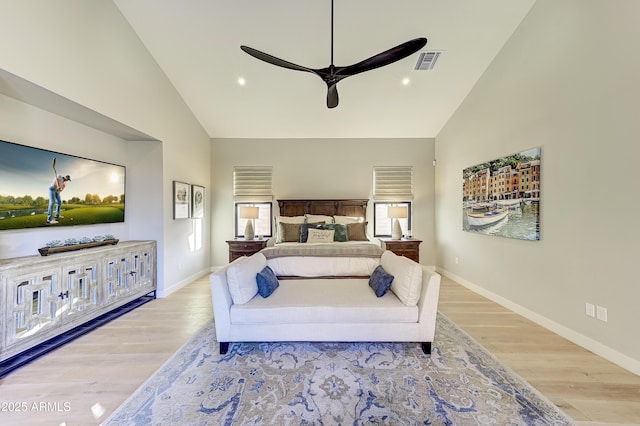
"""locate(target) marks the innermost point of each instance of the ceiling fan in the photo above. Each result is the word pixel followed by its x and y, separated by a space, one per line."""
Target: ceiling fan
pixel 332 74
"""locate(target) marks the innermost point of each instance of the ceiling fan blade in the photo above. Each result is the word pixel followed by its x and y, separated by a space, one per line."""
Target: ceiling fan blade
pixel 332 95
pixel 273 60
pixel 385 58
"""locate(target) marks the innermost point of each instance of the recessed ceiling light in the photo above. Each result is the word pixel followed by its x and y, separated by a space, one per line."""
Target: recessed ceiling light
pixel 406 81
pixel 241 81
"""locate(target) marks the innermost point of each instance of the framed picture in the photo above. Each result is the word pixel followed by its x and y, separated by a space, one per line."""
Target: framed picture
pixel 502 197
pixel 181 200
pixel 197 201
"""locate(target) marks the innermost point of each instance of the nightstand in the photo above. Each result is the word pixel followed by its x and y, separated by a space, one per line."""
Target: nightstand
pixel 405 247
pixel 242 247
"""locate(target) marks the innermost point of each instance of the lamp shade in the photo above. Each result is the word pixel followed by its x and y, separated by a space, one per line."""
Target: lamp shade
pixel 249 212
pixel 399 212
pixel 395 213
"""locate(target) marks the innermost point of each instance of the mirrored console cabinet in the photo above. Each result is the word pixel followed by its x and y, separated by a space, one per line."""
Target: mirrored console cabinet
pixel 42 297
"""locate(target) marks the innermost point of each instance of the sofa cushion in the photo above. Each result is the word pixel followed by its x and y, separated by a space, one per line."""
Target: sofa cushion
pixel 380 281
pixel 407 281
pixel 267 282
pixel 241 277
pixel 324 300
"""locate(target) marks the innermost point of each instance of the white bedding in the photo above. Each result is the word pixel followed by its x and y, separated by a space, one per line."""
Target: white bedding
pixel 301 266
pixel 311 266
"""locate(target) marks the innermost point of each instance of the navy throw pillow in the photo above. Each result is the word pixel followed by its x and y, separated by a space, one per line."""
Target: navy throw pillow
pixel 304 230
pixel 380 281
pixel 267 282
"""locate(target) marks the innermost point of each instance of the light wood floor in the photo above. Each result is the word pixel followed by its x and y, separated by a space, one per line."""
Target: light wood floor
pixel 84 381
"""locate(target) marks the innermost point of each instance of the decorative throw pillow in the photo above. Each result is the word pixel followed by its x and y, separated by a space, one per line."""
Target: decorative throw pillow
pixel 380 281
pixel 347 219
pixel 304 230
pixel 340 234
pixel 288 232
pixel 241 277
pixel 285 219
pixel 290 219
pixel 267 282
pixel 310 218
pixel 320 236
pixel 407 282
pixel 357 231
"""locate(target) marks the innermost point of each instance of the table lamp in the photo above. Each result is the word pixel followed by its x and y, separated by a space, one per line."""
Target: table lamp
pixel 249 213
pixel 395 213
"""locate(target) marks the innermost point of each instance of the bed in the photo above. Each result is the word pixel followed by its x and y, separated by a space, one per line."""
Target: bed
pixel 322 238
pixel 328 296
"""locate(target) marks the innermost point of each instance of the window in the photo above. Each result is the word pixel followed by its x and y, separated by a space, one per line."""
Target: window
pixel 252 188
pixel 382 223
pixel 392 186
pixel 261 225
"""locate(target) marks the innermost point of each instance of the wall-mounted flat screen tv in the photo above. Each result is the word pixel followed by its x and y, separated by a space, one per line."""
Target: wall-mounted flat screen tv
pixel 89 191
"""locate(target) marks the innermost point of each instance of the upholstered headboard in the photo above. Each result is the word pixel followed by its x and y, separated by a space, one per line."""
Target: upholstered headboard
pixel 353 207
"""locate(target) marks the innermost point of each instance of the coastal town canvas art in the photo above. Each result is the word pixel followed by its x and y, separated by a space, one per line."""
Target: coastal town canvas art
pixel 502 197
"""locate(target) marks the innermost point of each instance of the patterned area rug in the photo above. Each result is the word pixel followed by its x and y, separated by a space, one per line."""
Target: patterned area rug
pixel 337 384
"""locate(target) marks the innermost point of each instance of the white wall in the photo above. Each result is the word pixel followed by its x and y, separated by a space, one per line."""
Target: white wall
pixel 26 125
pixel 86 52
pixel 567 81
pixel 323 168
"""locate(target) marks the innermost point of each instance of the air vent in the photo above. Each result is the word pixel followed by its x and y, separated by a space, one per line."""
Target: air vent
pixel 427 60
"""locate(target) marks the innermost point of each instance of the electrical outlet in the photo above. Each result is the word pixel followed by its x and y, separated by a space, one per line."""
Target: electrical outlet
pixel 457 260
pixel 601 313
pixel 590 309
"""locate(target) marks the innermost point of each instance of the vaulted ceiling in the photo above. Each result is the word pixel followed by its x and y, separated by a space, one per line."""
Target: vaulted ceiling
pixel 197 44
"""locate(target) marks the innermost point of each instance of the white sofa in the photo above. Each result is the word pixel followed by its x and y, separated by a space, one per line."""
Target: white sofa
pixel 325 309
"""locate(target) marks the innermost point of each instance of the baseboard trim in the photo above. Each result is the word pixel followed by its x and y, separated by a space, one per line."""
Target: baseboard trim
pixel 588 343
pixel 182 283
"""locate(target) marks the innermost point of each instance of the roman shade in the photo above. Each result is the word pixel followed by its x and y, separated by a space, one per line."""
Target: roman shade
pixel 252 183
pixel 393 183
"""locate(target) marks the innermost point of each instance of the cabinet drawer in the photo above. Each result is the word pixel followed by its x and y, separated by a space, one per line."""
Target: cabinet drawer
pixel 407 248
pixel 239 248
pixel 243 247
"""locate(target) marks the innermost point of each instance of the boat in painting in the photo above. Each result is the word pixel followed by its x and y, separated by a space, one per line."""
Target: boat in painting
pixel 512 204
pixel 487 218
pixel 483 206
